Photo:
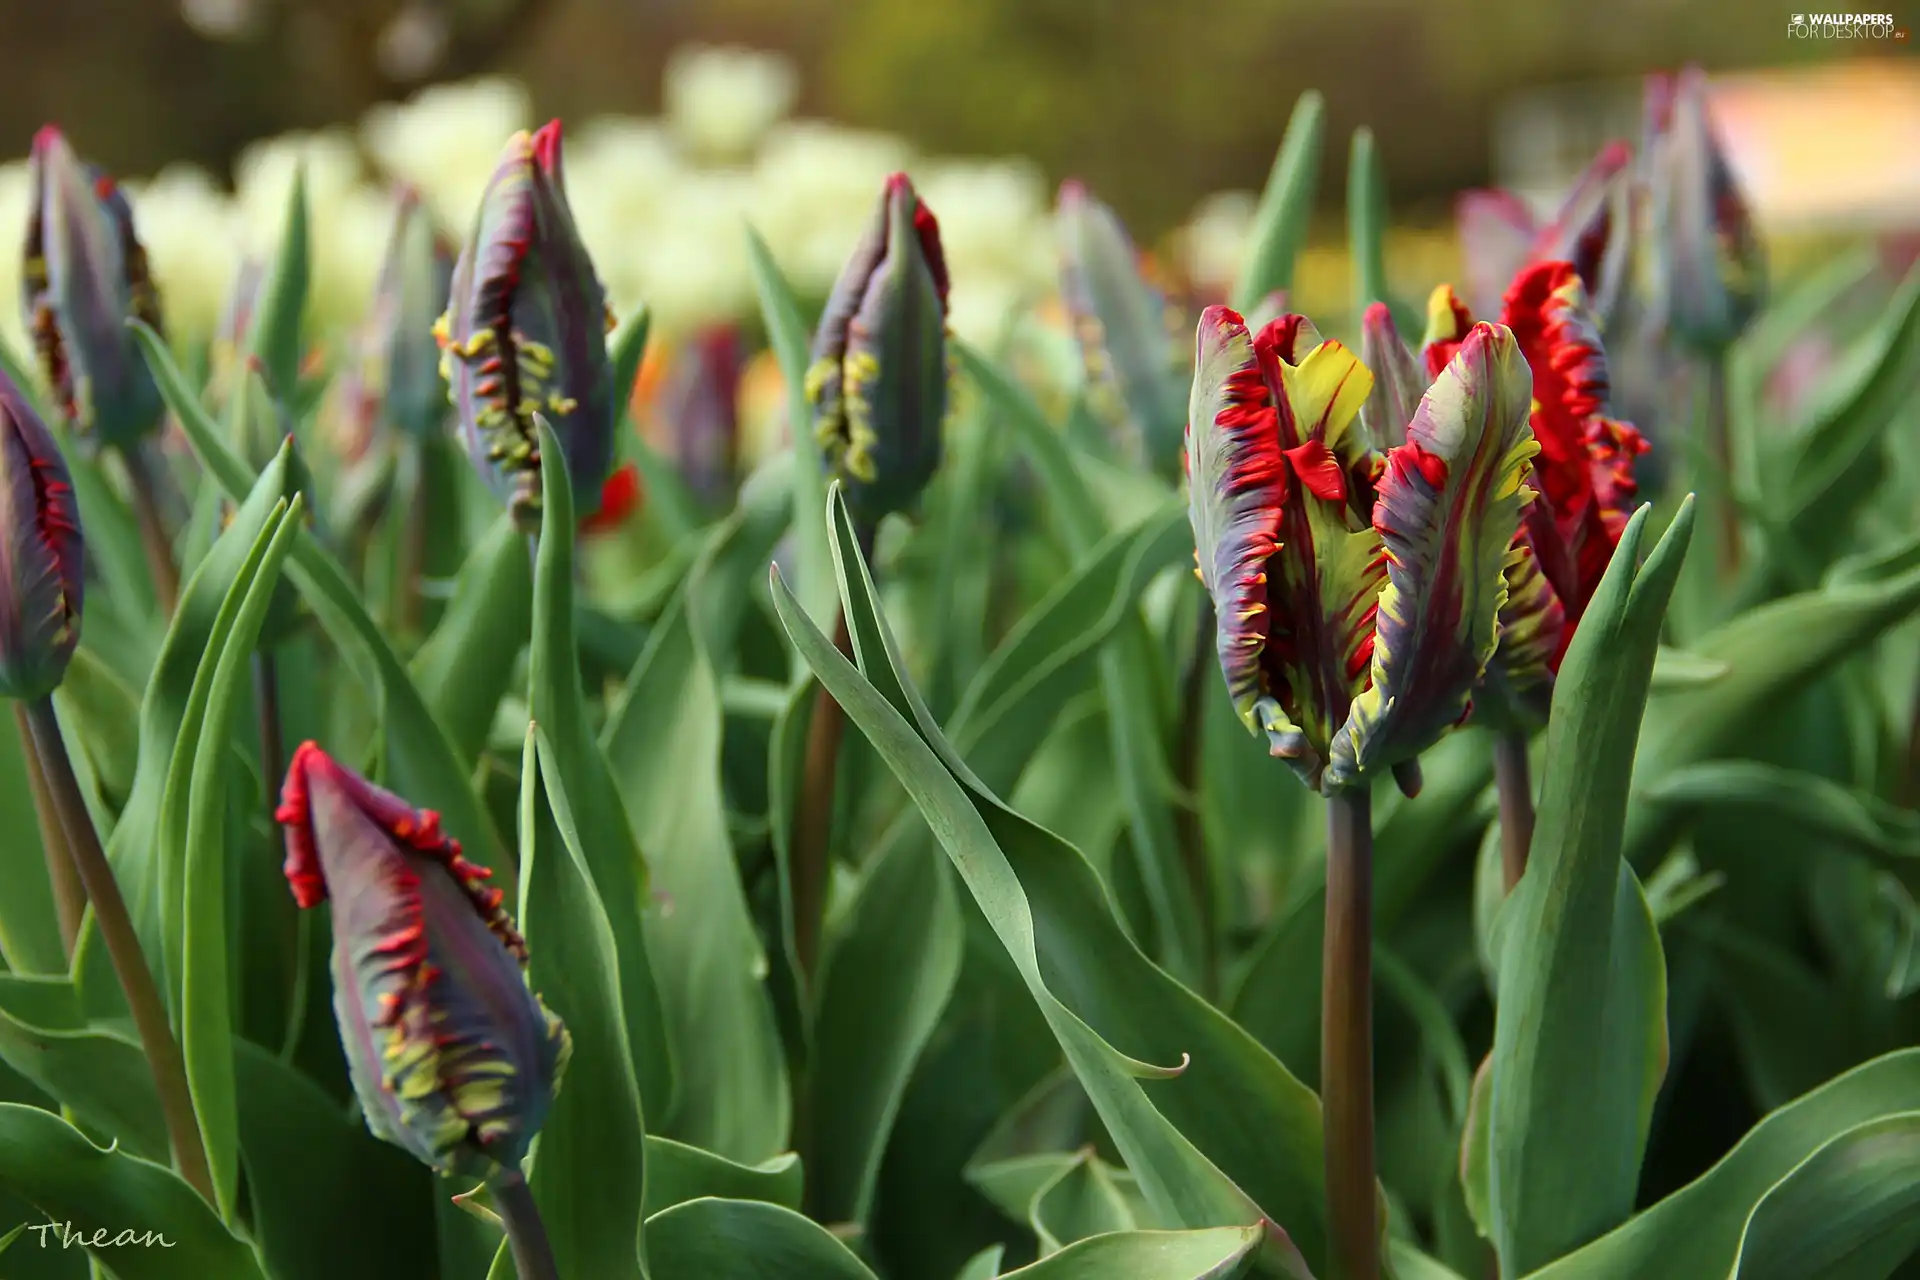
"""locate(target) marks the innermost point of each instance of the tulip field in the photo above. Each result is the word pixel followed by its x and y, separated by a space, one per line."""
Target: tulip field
pixel 1128 782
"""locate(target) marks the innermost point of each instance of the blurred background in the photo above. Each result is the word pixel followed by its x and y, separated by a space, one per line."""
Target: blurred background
pixel 685 118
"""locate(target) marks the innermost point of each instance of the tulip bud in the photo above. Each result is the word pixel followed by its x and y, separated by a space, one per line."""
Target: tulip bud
pixel 525 333
pixel 85 277
pixel 1708 267
pixel 452 1055
pixel 1133 366
pixel 41 554
pixel 397 364
pixel 878 382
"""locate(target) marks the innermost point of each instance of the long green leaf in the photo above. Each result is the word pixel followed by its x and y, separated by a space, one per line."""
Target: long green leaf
pixel 206 1011
pixel 747 1240
pixel 559 706
pixel 1580 1041
pixel 110 1195
pixel 787 333
pixel 1217 1254
pixel 1286 206
pixel 467 664
pixel 97 1069
pixel 1850 1211
pixel 273 337
pixel 420 763
pixel 677 1173
pixel 1226 1141
pixel 589 1170
pixel 1698 1230
pixel 29 930
pixel 663 742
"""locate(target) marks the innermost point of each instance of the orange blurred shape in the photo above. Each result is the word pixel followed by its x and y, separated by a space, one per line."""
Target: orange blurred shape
pixel 620 497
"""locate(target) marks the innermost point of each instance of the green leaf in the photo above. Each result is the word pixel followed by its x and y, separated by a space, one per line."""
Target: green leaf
pixel 1082 1200
pixel 467 664
pixel 329 1199
pixel 1129 679
pixel 677 1173
pixel 1676 669
pixel 1286 206
pixel 99 1069
pixel 1367 225
pixel 746 1240
pixel 787 334
pixel 1851 1211
pixel 419 761
pixel 890 969
pixel 1699 1229
pixel 1226 1140
pixel 51 1164
pixel 273 337
pixel 1218 1254
pixel 1772 652
pixel 662 741
pixel 589 1169
pixel 103 711
pixel 984 1265
pixel 1580 1045
pixel 29 930
pixel 1404 1262
pixel 559 706
pixel 206 1012
pixel 166 714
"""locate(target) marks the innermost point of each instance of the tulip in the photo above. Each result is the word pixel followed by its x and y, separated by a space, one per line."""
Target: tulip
pixel 86 276
pixel 878 380
pixel 42 556
pixel 1706 271
pixel 397 362
pixel 700 409
pixel 1133 368
pixel 1356 614
pixel 1585 474
pixel 452 1055
pixel 524 334
pixel 1708 265
pixel 1357 595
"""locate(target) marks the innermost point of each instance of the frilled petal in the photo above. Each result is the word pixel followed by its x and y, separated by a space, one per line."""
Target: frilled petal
pixel 1518 686
pixel 879 378
pixel 1497 232
pixel 42 569
pixel 1449 320
pixel 452 1055
pixel 1449 508
pixel 1120 322
pixel 525 333
pixel 1328 569
pixel 1547 310
pixel 1237 487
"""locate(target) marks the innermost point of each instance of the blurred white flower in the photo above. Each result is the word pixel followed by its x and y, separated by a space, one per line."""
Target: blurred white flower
pixel 816 186
pixel 994 224
pixel 982 305
pixel 15 193
pixel 346 257
pixel 446 139
pixel 722 101
pixel 1216 238
pixel 691 263
pixel 263 177
pixel 621 175
pixel 193 235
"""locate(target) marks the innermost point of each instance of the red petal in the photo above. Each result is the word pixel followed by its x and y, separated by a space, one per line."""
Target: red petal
pixel 1319 470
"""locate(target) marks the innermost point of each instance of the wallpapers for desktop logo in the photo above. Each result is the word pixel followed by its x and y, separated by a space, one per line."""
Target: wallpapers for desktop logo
pixel 1844 26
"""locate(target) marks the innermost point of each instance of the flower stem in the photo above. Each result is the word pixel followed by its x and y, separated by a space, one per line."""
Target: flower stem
pixel 69 896
pixel 154 537
pixel 1346 1039
pixel 413 538
pixel 1186 762
pixel 266 702
pixel 526 1233
pixel 1514 783
pixel 813 819
pixel 123 948
pixel 1720 455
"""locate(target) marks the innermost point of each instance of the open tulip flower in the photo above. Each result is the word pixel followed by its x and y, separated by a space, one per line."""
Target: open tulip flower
pixel 1584 471
pixel 452 1055
pixel 1357 588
